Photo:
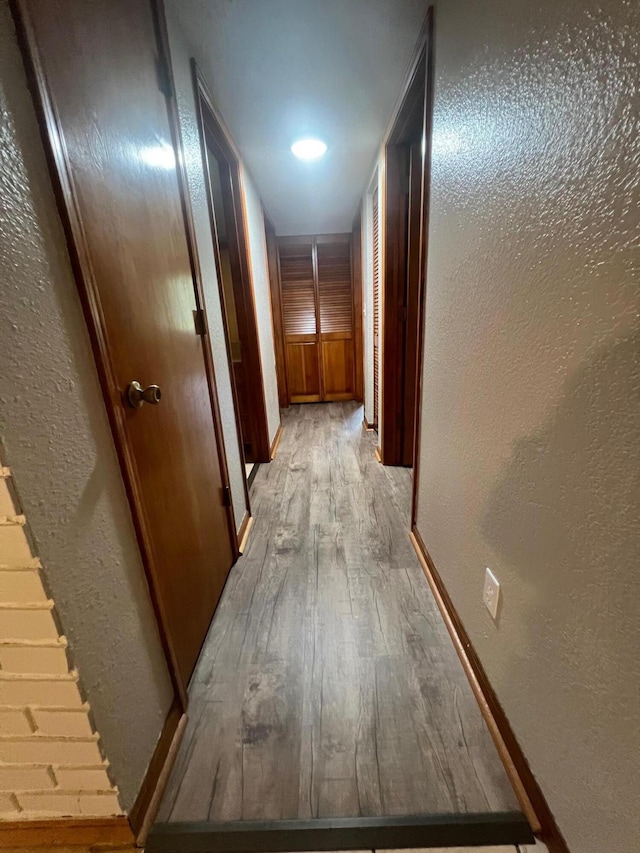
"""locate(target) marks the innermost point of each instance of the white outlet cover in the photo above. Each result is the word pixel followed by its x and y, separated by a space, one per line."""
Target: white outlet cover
pixel 491 594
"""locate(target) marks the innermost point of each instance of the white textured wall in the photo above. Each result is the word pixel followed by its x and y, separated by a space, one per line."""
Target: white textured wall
pixel 181 54
pixel 531 407
pixel 262 296
pixel 56 438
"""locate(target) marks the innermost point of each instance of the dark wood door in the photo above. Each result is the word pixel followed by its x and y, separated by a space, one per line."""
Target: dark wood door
pixel 411 301
pixel 99 71
pixel 316 289
pixel 376 309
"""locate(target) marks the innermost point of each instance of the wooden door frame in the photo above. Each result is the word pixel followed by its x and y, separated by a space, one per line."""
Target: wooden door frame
pixel 211 128
pixel 357 285
pixel 417 86
pixel 273 260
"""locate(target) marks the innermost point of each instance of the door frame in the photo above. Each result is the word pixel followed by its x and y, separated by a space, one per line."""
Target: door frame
pixel 211 127
pixel 358 296
pixel 416 96
pixel 275 292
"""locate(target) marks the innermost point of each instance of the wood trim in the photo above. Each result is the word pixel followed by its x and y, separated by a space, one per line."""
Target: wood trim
pixel 329 834
pixel 147 802
pixel 357 283
pixel 276 442
pixel 525 786
pixel 68 208
pixel 65 832
pixel 245 530
pixel 377 454
pixel 366 426
pixel 426 199
pixel 192 244
pixel 273 259
pixel 211 127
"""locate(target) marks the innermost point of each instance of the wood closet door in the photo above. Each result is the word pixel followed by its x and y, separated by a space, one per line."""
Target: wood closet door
pixel 335 303
pixel 316 285
pixel 376 310
pixel 98 70
pixel 299 312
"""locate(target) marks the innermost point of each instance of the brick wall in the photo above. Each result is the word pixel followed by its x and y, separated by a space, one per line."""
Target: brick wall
pixel 51 764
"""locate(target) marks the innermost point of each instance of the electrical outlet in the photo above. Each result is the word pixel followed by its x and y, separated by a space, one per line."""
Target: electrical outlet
pixel 491 594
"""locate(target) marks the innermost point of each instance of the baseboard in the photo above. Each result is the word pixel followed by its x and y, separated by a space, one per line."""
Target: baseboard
pixel 243 533
pixel 378 454
pixel 527 790
pixel 366 426
pixel 147 802
pixel 66 832
pixel 274 444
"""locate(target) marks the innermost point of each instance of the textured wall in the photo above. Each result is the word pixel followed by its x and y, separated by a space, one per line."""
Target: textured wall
pixel 50 757
pixel 262 296
pixel 531 407
pixel 181 54
pixel 56 439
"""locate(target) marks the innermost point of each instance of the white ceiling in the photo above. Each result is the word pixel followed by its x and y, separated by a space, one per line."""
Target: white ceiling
pixel 282 69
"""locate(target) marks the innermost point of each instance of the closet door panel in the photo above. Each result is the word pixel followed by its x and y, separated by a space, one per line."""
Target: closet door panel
pixel 335 302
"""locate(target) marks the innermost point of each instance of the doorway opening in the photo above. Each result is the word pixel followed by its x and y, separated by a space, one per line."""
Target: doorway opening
pixel 404 237
pixel 223 184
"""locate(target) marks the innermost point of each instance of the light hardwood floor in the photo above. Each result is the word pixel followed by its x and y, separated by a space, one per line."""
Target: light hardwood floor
pixel 328 685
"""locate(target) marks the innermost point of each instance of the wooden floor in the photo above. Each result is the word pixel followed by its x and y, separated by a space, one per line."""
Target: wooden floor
pixel 328 685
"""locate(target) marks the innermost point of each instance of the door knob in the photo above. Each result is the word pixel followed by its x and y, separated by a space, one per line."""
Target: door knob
pixel 137 395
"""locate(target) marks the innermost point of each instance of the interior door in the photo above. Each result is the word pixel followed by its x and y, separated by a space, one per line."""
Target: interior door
pixel 100 75
pixel 299 311
pixel 335 308
pixel 414 258
pixel 376 309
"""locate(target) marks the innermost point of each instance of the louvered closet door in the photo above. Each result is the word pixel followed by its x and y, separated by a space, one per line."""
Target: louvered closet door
pixel 299 309
pixel 335 302
pixel 376 309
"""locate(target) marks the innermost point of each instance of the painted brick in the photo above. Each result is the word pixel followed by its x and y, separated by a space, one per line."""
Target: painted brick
pixel 44 750
pixel 14 548
pixel 69 804
pixel 6 503
pixel 13 721
pixel 17 624
pixel 25 691
pixel 15 777
pixel 34 659
pixel 82 778
pixel 64 723
pixel 21 586
pixel 8 804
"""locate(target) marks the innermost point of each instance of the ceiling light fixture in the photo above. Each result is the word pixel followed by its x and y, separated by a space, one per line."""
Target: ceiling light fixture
pixel 309 149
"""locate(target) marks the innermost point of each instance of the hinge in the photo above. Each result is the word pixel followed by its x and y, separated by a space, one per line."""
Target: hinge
pixel 226 496
pixel 198 322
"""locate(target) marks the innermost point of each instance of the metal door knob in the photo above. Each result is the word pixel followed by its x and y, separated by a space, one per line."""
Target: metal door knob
pixel 137 395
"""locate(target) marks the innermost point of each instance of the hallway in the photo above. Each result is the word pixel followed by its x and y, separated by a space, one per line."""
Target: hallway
pixel 328 685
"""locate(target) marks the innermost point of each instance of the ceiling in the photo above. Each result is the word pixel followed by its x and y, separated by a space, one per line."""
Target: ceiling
pixel 282 69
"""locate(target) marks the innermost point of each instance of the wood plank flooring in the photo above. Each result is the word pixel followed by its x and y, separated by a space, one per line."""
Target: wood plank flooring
pixel 328 685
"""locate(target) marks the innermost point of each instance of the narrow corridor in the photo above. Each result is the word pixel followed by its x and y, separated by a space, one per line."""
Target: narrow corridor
pixel 328 685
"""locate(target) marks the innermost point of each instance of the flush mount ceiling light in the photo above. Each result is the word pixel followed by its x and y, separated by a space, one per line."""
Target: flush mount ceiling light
pixel 309 149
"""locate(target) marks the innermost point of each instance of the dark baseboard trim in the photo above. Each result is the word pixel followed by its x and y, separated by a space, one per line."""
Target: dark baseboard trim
pixel 363 833
pixel 524 783
pixel 147 802
pixel 65 832
pixel 274 444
